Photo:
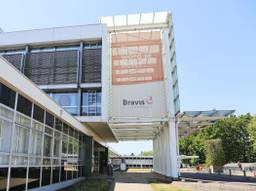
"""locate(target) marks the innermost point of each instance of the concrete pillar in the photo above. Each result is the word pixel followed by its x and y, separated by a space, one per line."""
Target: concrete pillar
pixel 165 151
pixel 160 141
pixel 168 158
pixel 156 159
pixel 173 148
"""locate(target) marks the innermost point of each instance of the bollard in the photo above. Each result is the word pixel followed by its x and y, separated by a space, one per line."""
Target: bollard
pixel 229 170
pixel 244 172
pixel 210 171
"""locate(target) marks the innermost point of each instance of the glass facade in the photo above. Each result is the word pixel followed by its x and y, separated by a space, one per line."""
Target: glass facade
pixel 37 148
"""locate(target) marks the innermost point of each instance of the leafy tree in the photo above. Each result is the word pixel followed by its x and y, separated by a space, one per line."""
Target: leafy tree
pixel 238 136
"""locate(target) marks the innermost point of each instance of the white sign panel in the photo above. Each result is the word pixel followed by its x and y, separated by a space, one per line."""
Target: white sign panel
pixel 145 100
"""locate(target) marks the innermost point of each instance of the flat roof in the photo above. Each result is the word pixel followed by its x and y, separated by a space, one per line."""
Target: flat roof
pixel 52 35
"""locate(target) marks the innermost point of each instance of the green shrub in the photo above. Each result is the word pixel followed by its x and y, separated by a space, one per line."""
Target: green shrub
pixel 214 153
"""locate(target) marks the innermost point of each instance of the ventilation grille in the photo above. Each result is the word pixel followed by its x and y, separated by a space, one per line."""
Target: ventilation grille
pixel 14 59
pixel 91 67
pixel 52 67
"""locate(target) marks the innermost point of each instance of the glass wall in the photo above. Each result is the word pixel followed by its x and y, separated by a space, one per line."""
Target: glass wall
pixel 69 101
pixel 45 149
pixel 91 102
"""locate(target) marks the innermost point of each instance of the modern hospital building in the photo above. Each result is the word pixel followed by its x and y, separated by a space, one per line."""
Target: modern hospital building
pixel 66 92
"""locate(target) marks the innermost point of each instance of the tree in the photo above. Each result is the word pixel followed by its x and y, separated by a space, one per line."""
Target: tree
pixel 214 153
pixel 146 153
pixel 238 136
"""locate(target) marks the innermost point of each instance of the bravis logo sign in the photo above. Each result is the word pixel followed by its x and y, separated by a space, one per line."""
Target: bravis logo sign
pixel 139 102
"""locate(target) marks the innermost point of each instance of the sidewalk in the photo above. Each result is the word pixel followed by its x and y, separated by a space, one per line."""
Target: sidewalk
pixel 132 187
pixel 133 181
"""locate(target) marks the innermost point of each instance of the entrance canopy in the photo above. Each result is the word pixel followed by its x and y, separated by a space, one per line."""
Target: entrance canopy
pixel 187 121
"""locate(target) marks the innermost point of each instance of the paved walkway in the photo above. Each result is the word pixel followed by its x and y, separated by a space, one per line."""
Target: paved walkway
pixel 132 187
pixel 134 181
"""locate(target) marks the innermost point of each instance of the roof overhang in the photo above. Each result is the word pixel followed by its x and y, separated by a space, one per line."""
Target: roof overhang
pixel 99 126
pixel 153 20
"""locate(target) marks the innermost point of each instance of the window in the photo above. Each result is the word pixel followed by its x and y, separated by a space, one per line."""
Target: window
pixel 71 132
pixel 7 96
pixel 91 66
pixel 52 67
pixel 47 145
pixel 49 119
pixel 64 146
pixel 65 128
pixel 91 103
pixel 57 142
pixel 5 136
pixel 69 101
pixel 34 177
pixel 18 178
pixel 22 120
pixel 24 105
pixel 38 114
pixel 58 124
pixel 4 175
pixel 36 139
pixel 21 135
pixel 14 58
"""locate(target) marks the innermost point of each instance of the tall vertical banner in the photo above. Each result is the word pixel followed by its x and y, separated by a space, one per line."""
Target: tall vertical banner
pixel 137 75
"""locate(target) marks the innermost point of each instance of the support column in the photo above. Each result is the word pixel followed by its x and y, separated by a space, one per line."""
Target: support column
pixel 173 148
pixel 168 158
pixel 156 159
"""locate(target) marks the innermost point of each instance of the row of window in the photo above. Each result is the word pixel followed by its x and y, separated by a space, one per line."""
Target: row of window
pixel 90 102
pixel 59 65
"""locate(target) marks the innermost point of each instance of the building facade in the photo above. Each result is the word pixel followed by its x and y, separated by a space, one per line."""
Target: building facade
pixel 118 78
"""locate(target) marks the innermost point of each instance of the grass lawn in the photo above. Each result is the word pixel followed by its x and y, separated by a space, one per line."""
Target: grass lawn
pixel 139 170
pixel 165 187
pixel 90 185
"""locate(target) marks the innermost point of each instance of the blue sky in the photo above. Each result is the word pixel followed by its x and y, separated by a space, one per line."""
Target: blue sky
pixel 215 44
